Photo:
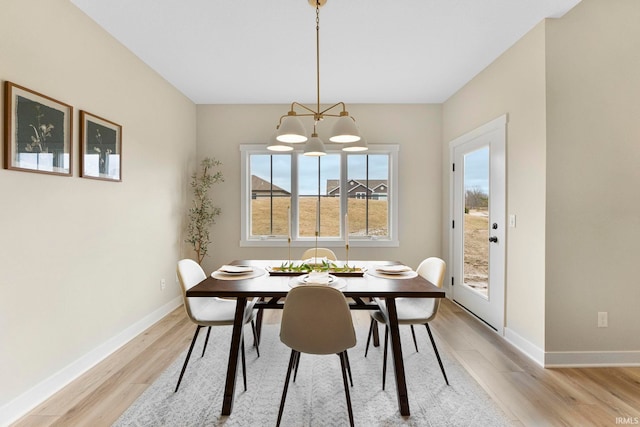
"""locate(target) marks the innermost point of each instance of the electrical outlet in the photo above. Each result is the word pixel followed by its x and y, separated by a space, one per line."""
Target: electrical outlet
pixel 163 284
pixel 603 320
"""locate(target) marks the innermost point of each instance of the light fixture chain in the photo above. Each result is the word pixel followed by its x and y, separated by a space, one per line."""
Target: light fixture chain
pixel 318 52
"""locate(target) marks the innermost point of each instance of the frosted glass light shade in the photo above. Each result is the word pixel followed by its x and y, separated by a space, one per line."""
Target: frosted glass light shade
pixel 314 147
pixel 345 130
pixel 291 130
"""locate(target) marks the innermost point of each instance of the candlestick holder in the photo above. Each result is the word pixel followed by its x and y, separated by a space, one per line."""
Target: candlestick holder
pixel 289 244
pixel 316 252
pixel 347 261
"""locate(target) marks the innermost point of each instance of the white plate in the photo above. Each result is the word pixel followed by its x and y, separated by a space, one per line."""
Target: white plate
pixel 334 282
pixel 394 269
pixel 235 269
pixel 305 279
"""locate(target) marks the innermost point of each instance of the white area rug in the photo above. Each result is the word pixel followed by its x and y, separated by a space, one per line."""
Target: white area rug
pixel 317 397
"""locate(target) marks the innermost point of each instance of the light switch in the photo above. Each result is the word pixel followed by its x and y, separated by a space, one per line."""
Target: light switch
pixel 512 221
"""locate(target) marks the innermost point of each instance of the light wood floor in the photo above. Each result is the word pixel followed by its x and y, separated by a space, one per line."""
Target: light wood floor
pixel 528 394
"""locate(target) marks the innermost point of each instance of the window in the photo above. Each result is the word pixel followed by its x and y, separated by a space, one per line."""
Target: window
pixel 292 194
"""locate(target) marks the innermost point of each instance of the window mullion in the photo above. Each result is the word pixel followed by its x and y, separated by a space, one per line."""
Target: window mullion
pixel 344 192
pixel 294 197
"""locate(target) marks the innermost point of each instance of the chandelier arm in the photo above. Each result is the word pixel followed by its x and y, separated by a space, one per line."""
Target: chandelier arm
pixel 344 109
pixel 304 107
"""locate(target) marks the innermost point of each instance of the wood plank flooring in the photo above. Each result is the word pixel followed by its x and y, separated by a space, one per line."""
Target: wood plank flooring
pixel 528 394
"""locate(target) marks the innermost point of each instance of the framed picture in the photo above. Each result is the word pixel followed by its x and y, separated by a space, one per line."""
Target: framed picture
pixel 101 148
pixel 37 132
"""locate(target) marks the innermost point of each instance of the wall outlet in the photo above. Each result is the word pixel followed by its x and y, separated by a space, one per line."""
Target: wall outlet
pixel 163 284
pixel 603 319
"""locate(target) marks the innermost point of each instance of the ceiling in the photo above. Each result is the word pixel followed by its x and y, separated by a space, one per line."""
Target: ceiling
pixel 263 52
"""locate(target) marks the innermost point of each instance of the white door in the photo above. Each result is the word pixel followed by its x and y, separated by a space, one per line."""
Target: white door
pixel 478 222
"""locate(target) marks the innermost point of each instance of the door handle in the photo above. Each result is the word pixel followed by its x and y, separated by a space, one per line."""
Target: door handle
pixel 493 239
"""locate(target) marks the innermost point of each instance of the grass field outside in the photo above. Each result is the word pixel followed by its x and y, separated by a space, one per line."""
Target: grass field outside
pixel 264 224
pixel 476 250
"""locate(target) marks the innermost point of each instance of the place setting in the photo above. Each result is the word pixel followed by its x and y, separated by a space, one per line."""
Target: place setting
pixel 394 271
pixel 237 272
pixel 318 278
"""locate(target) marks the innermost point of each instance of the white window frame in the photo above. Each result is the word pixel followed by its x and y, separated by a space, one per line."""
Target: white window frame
pixel 246 150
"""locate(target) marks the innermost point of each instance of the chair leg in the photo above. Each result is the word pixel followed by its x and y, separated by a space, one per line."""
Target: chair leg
pixel 435 349
pixel 259 322
pixel 384 358
pixel 186 360
pixel 346 357
pixel 206 341
pixel 343 363
pixel 369 336
pixel 296 364
pixel 413 333
pixel 256 339
pixel 244 366
pixel 286 385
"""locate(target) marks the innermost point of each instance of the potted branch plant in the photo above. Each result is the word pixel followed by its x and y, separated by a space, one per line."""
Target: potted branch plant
pixel 203 213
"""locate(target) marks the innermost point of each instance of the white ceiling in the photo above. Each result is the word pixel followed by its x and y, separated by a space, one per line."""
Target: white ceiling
pixel 256 52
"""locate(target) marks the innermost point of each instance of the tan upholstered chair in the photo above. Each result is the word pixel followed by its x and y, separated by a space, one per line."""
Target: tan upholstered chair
pixel 322 253
pixel 413 311
pixel 209 311
pixel 317 320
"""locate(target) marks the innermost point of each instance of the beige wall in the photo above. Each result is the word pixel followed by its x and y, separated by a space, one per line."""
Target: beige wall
pixel 593 171
pixel 81 260
pixel 514 84
pixel 222 128
pixel 570 88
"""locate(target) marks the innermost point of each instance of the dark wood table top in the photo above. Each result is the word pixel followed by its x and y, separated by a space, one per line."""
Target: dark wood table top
pixel 279 285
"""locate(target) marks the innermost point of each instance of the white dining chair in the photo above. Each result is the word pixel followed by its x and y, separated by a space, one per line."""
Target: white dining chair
pixel 316 320
pixel 208 312
pixel 413 311
pixel 321 253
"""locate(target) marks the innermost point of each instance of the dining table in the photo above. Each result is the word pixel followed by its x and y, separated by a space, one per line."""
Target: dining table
pixel 268 283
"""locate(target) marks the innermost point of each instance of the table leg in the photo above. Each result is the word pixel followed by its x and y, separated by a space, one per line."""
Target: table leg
pixel 376 335
pixel 398 363
pixel 232 367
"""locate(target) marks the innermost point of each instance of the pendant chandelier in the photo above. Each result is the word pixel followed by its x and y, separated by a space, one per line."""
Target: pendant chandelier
pixel 291 131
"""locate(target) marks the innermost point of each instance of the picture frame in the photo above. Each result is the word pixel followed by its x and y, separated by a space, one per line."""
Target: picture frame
pixel 38 132
pixel 100 148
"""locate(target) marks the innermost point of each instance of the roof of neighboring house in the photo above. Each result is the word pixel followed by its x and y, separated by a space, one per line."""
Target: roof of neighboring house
pixel 333 185
pixel 259 184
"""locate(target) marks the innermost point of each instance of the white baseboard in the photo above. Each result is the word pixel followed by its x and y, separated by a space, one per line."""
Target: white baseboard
pixel 534 352
pixel 22 404
pixel 584 359
pixel 572 359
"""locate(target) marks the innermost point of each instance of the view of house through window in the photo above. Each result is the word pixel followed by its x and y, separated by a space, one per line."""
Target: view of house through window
pixel 368 194
pixel 313 175
pixel 270 194
pixel 318 183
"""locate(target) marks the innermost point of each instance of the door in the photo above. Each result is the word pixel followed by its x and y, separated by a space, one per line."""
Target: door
pixel 478 222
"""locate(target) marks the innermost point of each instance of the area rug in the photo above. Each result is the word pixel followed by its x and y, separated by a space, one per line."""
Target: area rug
pixel 317 397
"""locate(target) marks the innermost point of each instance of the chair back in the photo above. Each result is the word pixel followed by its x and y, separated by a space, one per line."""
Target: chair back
pixel 189 274
pixel 322 252
pixel 317 320
pixel 432 269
